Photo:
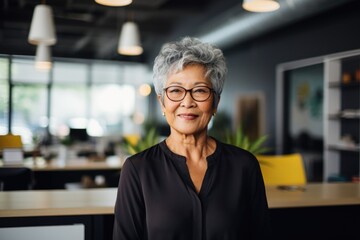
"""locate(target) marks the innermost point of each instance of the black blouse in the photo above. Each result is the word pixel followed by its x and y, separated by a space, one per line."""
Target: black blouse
pixel 157 200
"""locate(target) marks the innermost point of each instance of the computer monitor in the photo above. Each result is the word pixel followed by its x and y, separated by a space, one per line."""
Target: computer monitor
pixel 78 135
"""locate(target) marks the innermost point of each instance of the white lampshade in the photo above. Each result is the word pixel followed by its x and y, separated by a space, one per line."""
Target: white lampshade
pixel 129 41
pixel 114 3
pixel 43 57
pixel 42 29
pixel 260 5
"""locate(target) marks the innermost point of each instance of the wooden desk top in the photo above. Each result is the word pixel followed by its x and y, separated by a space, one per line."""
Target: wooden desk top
pixel 102 201
pixel 315 195
pixel 73 164
pixel 57 202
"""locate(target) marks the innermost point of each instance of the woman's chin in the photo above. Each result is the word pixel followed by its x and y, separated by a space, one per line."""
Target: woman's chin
pixel 190 131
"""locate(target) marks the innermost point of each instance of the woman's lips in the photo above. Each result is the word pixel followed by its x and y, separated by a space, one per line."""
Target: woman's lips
pixel 188 116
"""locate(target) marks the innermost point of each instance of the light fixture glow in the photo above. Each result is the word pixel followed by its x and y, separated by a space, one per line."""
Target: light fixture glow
pixel 114 3
pixel 43 57
pixel 129 41
pixel 139 118
pixel 42 28
pixel 43 65
pixel 144 90
pixel 260 5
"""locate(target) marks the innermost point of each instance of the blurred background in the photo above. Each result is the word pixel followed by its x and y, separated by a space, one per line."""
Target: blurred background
pixel 95 99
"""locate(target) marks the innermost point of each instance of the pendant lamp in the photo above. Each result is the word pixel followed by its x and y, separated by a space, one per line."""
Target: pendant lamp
pixel 260 5
pixel 114 3
pixel 129 41
pixel 42 29
pixel 43 57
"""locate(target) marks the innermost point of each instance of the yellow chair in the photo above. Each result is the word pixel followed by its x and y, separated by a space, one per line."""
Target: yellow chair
pixel 282 169
pixel 10 141
pixel 133 139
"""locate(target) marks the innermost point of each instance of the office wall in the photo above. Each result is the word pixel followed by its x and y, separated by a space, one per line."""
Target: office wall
pixel 252 64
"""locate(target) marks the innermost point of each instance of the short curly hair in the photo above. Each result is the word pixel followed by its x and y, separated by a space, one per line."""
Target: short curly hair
pixel 175 56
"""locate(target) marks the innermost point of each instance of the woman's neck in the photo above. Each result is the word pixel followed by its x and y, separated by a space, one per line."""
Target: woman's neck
pixel 194 147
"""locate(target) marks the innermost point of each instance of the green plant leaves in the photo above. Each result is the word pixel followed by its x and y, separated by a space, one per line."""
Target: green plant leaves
pixel 148 140
pixel 241 140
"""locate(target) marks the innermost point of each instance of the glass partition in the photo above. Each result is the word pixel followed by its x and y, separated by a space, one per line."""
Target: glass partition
pixel 4 95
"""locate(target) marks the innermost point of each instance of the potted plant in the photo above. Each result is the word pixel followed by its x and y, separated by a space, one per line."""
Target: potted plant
pixel 239 139
pixel 150 138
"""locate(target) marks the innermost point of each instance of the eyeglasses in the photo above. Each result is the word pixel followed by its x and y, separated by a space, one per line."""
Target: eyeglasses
pixel 199 94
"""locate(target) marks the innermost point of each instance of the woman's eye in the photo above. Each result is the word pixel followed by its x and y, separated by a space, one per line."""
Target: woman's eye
pixel 200 90
pixel 175 90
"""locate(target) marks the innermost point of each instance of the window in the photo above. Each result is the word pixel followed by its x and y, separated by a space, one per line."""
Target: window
pixel 23 71
pixel 29 100
pixel 4 95
pixel 99 96
pixel 111 104
pixel 29 112
pixel 68 99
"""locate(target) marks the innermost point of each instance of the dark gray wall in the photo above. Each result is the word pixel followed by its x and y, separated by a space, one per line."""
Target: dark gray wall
pixel 252 65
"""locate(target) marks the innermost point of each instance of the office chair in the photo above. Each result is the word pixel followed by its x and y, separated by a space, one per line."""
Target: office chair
pixel 16 178
pixel 10 141
pixel 282 169
pixel 11 149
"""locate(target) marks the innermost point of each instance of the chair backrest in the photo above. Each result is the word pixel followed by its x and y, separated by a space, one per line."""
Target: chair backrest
pixel 10 141
pixel 11 149
pixel 282 169
pixel 15 178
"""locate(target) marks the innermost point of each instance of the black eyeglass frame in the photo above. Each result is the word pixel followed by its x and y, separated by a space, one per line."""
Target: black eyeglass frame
pixel 189 90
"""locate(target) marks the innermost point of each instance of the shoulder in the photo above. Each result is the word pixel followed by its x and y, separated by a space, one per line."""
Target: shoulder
pixel 145 157
pixel 236 154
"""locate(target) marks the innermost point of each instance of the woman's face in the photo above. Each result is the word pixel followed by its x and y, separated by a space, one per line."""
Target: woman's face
pixel 188 116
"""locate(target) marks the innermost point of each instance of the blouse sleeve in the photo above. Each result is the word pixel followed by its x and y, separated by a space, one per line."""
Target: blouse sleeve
pixel 259 206
pixel 129 219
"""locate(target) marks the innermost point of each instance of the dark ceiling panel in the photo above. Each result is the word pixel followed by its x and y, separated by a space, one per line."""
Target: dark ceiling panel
pixel 86 29
pixel 83 26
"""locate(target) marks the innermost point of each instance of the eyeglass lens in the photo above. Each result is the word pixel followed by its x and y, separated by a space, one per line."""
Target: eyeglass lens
pixel 177 93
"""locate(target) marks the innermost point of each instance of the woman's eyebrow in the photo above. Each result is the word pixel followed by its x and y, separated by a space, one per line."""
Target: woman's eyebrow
pixel 175 83
pixel 195 84
pixel 200 83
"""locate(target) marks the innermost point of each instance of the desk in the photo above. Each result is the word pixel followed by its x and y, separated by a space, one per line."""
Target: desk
pixel 101 201
pixel 323 209
pixel 80 164
pixel 315 195
pixel 57 202
pixel 55 174
pixel 39 164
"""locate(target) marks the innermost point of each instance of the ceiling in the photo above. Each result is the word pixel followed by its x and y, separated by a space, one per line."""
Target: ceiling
pixel 88 30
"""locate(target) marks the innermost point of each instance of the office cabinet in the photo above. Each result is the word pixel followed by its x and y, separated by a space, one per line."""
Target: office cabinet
pixel 342 117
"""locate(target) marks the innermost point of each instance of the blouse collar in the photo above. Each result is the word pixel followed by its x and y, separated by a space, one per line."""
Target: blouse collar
pixel 212 158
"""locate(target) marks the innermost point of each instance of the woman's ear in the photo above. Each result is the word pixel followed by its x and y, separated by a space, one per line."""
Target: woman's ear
pixel 216 103
pixel 161 101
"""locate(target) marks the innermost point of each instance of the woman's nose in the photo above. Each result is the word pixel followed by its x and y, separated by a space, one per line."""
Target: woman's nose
pixel 188 101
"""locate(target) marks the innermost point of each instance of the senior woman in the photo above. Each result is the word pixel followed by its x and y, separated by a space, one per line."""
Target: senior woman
pixel 190 186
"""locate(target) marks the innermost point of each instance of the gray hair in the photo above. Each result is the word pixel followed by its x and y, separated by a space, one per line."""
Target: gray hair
pixel 175 56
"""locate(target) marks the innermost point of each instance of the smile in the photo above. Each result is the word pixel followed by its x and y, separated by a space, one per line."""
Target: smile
pixel 188 116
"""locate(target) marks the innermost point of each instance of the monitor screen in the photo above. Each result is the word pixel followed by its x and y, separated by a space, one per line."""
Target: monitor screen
pixel 78 135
